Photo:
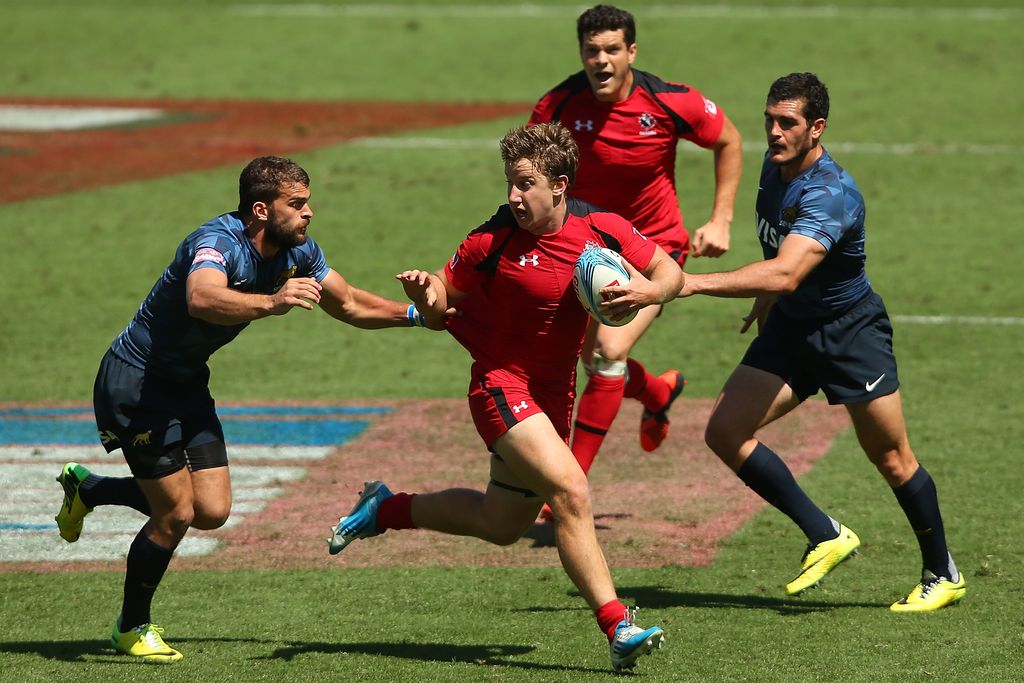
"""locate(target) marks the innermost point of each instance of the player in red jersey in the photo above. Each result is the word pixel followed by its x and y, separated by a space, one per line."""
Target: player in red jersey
pixel 627 123
pixel 524 332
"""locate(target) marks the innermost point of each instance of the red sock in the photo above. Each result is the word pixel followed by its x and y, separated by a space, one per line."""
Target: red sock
pixel 599 404
pixel 395 512
pixel 645 387
pixel 609 615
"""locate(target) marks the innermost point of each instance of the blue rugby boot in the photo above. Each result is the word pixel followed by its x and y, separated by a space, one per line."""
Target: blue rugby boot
pixel 631 641
pixel 361 522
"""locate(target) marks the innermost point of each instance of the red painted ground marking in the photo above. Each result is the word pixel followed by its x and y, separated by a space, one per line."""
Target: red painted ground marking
pixel 201 135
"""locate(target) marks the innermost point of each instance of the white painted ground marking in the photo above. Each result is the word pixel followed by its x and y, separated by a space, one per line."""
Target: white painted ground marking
pixel 29 498
pixel 83 454
pixel 25 117
pixel 955 320
pixel 530 10
pixel 50 547
pixel 876 148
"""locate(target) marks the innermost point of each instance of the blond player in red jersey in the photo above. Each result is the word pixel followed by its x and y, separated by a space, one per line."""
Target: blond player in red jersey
pixel 524 333
pixel 627 123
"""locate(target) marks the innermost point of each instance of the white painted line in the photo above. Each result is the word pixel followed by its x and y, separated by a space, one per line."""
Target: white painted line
pixel 23 117
pixel 530 10
pixel 37 475
pixel 955 320
pixel 50 547
pixel 875 148
pixel 87 455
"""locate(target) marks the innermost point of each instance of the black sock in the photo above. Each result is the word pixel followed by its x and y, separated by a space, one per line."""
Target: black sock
pixel 920 503
pixel 768 476
pixel 147 563
pixel 97 490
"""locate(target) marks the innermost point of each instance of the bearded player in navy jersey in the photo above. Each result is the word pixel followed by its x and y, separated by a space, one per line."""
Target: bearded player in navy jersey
pixel 151 395
pixel 524 334
pixel 627 123
pixel 820 326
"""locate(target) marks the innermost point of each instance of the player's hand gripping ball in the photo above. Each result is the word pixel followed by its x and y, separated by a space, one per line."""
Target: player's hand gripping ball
pixel 597 268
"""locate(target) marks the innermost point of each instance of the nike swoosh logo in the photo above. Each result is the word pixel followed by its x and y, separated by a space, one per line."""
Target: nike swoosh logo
pixel 870 386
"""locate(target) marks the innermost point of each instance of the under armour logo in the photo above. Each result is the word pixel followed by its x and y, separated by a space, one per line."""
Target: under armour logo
pixel 584 125
pixel 531 259
pixel 519 406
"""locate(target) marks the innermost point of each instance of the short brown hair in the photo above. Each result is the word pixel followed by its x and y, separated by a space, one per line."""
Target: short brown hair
pixel 548 146
pixel 601 18
pixel 805 86
pixel 262 179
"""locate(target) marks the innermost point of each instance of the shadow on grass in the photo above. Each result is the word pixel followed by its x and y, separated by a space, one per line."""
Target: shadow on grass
pixel 100 652
pixel 95 651
pixel 658 597
pixel 482 655
pixel 543 534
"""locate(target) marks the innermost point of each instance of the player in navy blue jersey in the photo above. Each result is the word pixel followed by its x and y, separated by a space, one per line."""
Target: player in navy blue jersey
pixel 820 326
pixel 151 396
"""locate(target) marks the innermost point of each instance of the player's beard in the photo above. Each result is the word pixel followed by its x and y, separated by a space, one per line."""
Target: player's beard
pixel 282 236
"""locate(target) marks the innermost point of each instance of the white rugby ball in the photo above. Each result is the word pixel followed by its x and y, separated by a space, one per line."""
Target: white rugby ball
pixel 595 269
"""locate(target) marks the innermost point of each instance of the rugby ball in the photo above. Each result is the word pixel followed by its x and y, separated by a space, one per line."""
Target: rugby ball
pixel 595 269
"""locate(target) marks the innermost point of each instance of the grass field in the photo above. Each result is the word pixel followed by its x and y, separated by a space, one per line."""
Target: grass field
pixel 926 114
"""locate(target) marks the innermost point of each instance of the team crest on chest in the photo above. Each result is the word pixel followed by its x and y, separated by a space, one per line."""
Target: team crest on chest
pixel 283 277
pixel 647 123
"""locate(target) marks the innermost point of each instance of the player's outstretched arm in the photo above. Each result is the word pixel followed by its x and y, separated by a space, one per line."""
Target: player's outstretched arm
pixel 712 238
pixel 362 308
pixel 209 298
pixel 797 257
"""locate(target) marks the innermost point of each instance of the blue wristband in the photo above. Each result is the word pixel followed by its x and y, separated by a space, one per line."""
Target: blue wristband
pixel 415 317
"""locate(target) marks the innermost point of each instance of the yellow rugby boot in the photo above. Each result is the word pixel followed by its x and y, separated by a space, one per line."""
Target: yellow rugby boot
pixel 823 558
pixel 72 510
pixel 934 592
pixel 144 642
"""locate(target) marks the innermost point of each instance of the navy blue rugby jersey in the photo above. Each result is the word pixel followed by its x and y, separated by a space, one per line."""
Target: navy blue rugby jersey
pixel 823 203
pixel 164 339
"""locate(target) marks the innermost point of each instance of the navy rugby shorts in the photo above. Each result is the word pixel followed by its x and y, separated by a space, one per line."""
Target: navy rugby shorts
pixel 160 425
pixel 850 358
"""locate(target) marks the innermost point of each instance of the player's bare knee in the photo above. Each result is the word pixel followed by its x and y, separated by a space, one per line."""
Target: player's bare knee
pixel 572 501
pixel 208 518
pixel 896 467
pixel 172 524
pixel 721 437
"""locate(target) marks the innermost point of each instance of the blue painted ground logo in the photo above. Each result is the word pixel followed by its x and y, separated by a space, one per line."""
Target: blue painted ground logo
pixel 266 444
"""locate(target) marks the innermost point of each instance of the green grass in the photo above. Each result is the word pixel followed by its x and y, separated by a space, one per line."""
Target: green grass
pixel 943 239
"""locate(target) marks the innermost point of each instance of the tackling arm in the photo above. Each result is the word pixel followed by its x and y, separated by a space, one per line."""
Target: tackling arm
pixel 797 257
pixel 360 308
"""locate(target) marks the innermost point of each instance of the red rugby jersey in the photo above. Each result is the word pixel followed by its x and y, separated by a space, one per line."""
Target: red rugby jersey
pixel 628 148
pixel 522 314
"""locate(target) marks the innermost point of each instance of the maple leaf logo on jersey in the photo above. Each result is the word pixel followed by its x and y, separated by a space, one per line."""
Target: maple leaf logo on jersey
pixel 710 107
pixel 647 120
